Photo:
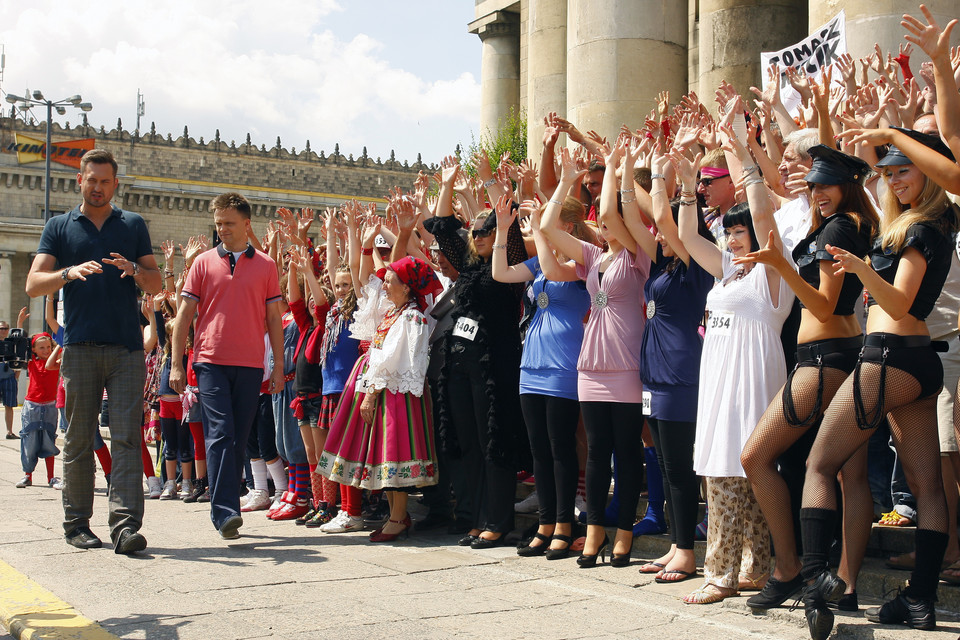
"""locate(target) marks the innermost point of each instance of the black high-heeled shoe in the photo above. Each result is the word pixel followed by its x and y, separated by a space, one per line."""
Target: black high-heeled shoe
pixel 529 551
pixel 559 554
pixel 621 559
pixel 589 561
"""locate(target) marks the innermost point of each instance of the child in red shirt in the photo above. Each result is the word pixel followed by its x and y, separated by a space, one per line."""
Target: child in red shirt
pixel 38 431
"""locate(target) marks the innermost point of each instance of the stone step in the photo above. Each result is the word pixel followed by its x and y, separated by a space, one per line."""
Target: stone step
pixel 875 583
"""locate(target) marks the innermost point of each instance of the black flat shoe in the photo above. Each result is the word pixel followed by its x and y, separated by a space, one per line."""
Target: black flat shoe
pixel 485 543
pixel 466 540
pixel 529 551
pixel 11 436
pixel 83 538
pixel 589 561
pixel 560 554
pixel 917 613
pixel 775 593
pixel 848 602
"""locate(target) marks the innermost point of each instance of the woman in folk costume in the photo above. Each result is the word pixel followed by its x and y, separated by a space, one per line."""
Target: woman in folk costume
pixel 382 434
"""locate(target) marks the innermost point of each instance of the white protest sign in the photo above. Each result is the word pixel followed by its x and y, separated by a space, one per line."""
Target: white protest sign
pixel 813 55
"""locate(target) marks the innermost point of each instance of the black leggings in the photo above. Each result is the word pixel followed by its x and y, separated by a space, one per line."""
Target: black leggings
pixel 674 443
pixel 613 428
pixel 552 429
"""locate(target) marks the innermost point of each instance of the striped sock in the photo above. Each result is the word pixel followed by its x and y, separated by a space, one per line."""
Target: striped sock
pixel 303 481
pixel 292 477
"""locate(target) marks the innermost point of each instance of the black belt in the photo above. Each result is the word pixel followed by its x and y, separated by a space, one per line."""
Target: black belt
pixel 894 341
pixel 810 350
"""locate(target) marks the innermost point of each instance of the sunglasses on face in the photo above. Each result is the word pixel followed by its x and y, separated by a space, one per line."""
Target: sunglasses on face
pixel 481 233
pixel 708 181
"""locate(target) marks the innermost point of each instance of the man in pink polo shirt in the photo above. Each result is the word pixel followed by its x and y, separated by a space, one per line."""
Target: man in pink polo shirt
pixel 233 290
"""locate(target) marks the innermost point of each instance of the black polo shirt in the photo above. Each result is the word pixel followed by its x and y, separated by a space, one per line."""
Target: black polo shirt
pixel 104 308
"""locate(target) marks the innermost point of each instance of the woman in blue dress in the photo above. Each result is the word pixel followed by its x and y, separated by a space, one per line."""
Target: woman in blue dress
pixel 548 368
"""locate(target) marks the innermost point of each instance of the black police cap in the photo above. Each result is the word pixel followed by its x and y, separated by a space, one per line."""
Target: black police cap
pixel 835 167
pixel 896 157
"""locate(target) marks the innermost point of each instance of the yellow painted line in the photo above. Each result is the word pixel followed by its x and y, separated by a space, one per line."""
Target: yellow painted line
pixel 30 612
pixel 247 187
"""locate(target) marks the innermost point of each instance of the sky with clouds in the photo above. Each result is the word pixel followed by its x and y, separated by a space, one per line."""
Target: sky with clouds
pixel 385 74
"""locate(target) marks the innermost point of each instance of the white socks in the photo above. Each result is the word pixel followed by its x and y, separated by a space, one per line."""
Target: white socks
pixel 277 473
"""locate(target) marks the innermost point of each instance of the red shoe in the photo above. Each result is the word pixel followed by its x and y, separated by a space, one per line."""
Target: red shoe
pixel 292 511
pixel 380 536
pixel 279 504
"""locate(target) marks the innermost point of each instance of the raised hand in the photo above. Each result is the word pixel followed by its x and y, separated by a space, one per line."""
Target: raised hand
pixel 550 131
pixel 663 104
pixel 768 254
pixel 505 212
pixel 685 169
pixel 848 72
pixel 799 81
pixel 687 132
pixel 371 229
pixel 934 42
pixel 845 262
pixel 304 220
pixel 569 169
pixel 168 249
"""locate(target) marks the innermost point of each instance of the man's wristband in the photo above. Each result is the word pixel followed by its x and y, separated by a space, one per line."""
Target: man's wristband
pixel 65 275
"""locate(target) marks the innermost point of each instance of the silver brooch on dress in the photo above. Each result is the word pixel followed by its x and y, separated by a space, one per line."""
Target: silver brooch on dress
pixel 600 299
pixel 651 309
pixel 543 299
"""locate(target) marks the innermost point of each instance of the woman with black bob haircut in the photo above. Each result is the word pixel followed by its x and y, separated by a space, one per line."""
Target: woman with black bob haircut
pixel 898 375
pixel 829 341
pixel 741 369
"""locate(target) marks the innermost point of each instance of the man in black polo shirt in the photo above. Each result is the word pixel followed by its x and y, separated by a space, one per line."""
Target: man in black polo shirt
pixel 99 254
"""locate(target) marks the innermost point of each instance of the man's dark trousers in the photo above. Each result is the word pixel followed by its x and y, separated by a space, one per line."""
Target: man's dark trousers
pixel 228 395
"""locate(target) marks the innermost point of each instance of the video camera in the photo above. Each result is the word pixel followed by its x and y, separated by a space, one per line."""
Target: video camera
pixel 15 349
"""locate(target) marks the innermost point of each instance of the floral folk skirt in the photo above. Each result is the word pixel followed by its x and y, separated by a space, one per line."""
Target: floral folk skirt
pixel 396 450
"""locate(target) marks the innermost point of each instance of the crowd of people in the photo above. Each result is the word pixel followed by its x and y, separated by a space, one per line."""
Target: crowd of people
pixel 753 300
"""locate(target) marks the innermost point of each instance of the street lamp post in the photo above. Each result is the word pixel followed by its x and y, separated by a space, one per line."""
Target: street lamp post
pixel 37 99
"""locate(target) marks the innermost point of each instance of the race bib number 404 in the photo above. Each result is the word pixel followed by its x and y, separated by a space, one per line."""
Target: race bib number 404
pixel 720 323
pixel 465 328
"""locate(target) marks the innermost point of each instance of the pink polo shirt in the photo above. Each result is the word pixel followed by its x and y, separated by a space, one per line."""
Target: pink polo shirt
pixel 231 305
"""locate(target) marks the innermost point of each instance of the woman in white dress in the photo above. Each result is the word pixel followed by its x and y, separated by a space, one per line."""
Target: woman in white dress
pixel 742 367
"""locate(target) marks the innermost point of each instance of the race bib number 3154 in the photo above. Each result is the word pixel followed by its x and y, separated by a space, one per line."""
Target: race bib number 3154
pixel 720 323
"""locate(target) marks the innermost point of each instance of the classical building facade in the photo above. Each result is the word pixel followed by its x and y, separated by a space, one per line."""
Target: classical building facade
pixel 171 183
pixel 601 63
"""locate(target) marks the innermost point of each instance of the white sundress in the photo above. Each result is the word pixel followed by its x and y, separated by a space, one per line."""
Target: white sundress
pixel 742 366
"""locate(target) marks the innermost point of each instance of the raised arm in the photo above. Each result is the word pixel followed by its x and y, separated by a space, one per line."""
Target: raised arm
pixel 662 215
pixel 706 253
pixel 938 167
pixel 502 272
pixel 367 267
pixel 567 244
pixel 638 232
pixel 936 44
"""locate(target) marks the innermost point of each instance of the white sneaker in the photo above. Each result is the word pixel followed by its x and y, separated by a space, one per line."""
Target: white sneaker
pixel 56 483
pixel 530 504
pixel 169 490
pixel 154 487
pixel 257 500
pixel 187 488
pixel 343 523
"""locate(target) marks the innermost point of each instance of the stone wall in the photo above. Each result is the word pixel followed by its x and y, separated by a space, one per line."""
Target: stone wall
pixel 170 182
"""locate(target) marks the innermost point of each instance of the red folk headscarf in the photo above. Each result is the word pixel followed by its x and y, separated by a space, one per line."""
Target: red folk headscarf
pixel 417 275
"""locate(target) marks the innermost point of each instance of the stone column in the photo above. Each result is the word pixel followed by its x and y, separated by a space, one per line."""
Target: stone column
pixel 6 289
pixel 734 32
pixel 499 67
pixel 546 66
pixel 620 54
pixel 878 21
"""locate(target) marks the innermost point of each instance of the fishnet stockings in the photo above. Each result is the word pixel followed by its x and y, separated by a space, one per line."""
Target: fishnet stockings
pixel 913 425
pixel 772 437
